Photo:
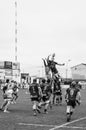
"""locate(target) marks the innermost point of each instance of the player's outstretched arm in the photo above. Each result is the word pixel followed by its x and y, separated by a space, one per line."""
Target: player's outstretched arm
pixel 61 64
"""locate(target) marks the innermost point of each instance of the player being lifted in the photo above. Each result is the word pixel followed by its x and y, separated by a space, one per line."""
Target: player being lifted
pixel 50 65
pixel 72 97
pixel 51 70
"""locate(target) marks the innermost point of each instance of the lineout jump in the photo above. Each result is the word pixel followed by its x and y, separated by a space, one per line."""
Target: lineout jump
pixel 50 66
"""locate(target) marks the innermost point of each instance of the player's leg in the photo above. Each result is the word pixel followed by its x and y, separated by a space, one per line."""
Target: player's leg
pixel 46 106
pixel 3 104
pixel 7 105
pixel 34 107
pixel 15 97
pixel 38 106
pixel 72 107
pixel 50 99
pixel 54 95
pixel 57 99
pixel 68 112
pixel 60 99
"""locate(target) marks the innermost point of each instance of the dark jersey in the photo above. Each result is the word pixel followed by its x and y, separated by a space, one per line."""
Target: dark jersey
pixel 33 89
pixel 72 93
pixel 15 88
pixel 5 87
pixel 49 88
pixel 52 66
pixel 42 86
pixel 47 91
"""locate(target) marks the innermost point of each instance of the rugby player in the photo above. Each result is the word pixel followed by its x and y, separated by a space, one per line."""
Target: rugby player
pixel 7 96
pixel 46 94
pixel 52 65
pixel 72 97
pixel 15 91
pixel 57 92
pixel 34 95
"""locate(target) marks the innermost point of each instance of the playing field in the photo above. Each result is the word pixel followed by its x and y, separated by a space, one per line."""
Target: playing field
pixel 21 116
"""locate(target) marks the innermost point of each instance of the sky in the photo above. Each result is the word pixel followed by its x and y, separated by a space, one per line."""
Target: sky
pixel 44 27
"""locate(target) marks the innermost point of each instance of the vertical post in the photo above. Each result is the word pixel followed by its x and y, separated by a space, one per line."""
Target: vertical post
pixel 16 36
pixel 15 31
pixel 67 68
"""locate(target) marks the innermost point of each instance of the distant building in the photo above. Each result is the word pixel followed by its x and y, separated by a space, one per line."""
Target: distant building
pixel 10 70
pixel 79 71
pixel 25 78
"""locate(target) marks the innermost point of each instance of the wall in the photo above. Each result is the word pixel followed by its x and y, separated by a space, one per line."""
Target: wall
pixel 79 72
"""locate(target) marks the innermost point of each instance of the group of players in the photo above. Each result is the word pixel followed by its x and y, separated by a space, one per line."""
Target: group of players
pixel 44 95
pixel 49 91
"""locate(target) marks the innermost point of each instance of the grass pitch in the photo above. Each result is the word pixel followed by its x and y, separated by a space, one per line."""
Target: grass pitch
pixel 21 115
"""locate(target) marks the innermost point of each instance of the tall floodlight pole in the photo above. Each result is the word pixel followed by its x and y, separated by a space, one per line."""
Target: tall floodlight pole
pixel 16 31
pixel 16 40
pixel 67 68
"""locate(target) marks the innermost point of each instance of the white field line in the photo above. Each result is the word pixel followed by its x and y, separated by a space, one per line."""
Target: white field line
pixel 75 127
pixel 57 127
pixel 41 125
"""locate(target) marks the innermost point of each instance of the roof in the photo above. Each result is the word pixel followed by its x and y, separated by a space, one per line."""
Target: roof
pixel 39 77
pixel 78 65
